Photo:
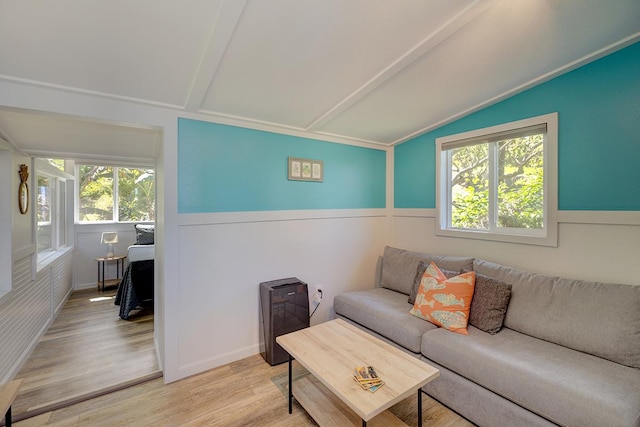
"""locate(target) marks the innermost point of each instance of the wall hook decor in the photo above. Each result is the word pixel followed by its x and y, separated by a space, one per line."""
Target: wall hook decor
pixel 23 189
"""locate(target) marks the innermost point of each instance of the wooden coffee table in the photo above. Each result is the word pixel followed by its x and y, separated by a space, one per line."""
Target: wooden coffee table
pixel 331 351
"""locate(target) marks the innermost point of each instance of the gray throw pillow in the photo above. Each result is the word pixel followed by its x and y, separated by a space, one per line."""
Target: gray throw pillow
pixel 422 266
pixel 489 304
pixel 145 234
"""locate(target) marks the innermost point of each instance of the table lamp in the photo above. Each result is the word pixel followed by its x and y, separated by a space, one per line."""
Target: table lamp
pixel 109 237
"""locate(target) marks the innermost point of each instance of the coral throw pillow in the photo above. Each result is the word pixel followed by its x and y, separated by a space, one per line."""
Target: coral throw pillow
pixel 445 302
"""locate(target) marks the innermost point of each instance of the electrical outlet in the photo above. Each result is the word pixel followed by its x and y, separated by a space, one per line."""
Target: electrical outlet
pixel 317 295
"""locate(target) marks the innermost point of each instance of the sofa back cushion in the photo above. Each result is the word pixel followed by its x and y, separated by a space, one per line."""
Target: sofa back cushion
pixel 399 267
pixel 602 319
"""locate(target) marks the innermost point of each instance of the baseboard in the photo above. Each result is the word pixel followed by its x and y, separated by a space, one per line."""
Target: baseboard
pixel 84 286
pixel 157 346
pixel 223 359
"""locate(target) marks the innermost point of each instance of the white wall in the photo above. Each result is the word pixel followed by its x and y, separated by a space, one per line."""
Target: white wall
pixel 22 234
pixel 88 248
pixel 165 182
pixel 224 257
pixel 34 297
pixel 190 332
pixel 27 311
pixel 208 266
pixel 91 107
pixel 602 246
pixel 6 214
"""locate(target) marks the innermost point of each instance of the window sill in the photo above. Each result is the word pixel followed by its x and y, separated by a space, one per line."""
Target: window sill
pixel 52 257
pixel 551 238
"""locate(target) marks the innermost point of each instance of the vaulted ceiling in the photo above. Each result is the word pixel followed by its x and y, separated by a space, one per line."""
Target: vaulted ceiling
pixel 365 71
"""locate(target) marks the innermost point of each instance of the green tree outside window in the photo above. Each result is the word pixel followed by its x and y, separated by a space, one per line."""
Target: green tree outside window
pixel 133 189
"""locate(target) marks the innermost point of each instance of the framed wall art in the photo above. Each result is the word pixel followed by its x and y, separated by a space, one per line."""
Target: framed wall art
pixel 23 189
pixel 305 170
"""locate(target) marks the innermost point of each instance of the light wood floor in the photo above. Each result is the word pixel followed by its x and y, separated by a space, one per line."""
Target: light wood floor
pixel 87 348
pixel 243 393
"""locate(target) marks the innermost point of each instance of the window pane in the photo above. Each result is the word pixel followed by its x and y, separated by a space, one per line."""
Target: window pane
pixel 43 213
pixel 500 183
pixel 470 187
pixel 136 194
pixel 521 183
pixel 96 193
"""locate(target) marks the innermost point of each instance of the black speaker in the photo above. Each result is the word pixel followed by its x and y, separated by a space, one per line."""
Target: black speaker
pixel 284 308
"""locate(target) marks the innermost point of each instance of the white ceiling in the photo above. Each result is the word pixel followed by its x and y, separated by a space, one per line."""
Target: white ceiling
pixel 362 71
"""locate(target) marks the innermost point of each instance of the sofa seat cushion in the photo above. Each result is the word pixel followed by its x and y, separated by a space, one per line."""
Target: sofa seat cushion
pixel 563 385
pixel 385 312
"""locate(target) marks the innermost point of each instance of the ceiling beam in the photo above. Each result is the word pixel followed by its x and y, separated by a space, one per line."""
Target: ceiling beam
pixel 226 22
pixel 449 28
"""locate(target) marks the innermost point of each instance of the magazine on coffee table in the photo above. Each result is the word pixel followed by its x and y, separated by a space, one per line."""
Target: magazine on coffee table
pixel 367 377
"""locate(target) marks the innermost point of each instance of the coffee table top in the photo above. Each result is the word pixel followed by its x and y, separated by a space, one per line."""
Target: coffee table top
pixel 332 350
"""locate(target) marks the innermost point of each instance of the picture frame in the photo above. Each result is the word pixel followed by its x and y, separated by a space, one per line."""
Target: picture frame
pixel 305 170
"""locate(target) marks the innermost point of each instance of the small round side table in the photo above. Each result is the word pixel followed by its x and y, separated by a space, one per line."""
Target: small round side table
pixel 102 263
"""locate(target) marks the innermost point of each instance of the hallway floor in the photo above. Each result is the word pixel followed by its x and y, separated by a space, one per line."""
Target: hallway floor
pixel 86 351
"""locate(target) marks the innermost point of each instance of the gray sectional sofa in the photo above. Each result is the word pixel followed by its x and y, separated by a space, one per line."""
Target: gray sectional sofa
pixel 567 354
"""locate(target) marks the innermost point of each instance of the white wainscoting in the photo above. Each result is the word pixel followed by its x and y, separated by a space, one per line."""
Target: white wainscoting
pixel 88 248
pixel 596 246
pixel 224 257
pixel 29 308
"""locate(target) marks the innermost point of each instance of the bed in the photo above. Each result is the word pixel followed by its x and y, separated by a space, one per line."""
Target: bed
pixel 136 287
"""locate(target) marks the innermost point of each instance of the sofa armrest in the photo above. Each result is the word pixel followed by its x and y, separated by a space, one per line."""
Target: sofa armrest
pixel 378 278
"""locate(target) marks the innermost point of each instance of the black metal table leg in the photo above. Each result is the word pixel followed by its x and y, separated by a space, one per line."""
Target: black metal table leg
pixel 290 384
pixel 7 418
pixel 419 407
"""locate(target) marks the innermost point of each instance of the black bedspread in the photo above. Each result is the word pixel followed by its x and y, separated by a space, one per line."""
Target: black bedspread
pixel 136 288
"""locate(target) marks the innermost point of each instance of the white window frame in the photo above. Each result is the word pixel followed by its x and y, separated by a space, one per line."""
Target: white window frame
pixel 58 241
pixel 548 235
pixel 53 217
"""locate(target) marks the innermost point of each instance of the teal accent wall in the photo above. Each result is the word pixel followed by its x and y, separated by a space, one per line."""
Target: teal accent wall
pixel 231 169
pixel 598 109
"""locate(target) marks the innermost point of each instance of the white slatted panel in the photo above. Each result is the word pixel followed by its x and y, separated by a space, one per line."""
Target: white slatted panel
pixel 25 312
pixel 62 281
